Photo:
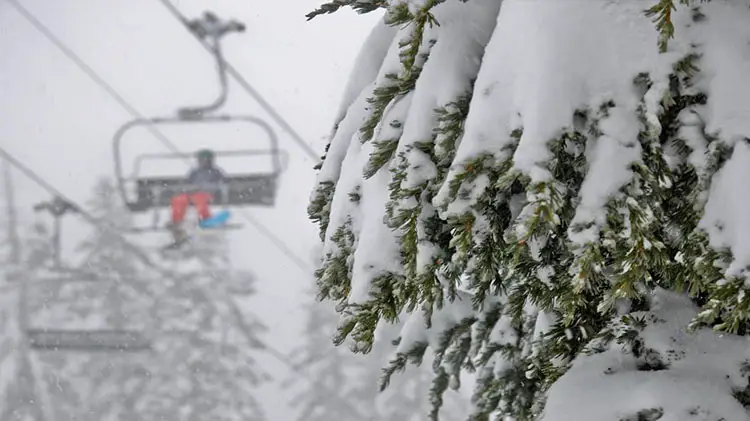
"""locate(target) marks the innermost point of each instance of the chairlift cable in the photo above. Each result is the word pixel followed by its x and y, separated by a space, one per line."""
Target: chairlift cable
pixel 307 149
pixel 93 75
pixel 85 214
pixel 280 244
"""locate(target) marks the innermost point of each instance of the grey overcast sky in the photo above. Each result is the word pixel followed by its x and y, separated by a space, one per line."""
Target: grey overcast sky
pixel 60 124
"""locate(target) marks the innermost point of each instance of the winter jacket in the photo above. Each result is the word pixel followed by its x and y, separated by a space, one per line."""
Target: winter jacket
pixel 206 179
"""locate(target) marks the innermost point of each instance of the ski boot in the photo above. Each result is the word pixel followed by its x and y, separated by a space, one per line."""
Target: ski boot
pixel 178 234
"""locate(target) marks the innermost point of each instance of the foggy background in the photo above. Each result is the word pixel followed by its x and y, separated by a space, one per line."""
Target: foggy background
pixel 60 123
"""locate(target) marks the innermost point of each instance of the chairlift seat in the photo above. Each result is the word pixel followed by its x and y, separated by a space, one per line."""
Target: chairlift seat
pixel 157 192
pixel 88 340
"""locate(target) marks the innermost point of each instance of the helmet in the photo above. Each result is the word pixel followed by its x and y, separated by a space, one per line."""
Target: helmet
pixel 205 154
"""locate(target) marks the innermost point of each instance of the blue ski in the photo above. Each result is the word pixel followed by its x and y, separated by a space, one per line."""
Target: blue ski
pixel 217 220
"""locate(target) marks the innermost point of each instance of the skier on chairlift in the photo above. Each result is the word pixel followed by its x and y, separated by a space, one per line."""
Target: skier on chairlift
pixel 204 182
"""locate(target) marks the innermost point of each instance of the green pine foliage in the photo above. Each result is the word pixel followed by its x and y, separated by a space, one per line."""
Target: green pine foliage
pixel 360 6
pixel 511 247
pixel 661 13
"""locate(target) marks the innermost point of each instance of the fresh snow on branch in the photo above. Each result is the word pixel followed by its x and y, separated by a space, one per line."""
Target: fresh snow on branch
pixel 518 181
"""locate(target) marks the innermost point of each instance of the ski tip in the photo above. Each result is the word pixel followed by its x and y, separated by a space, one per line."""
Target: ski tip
pixel 218 219
pixel 222 215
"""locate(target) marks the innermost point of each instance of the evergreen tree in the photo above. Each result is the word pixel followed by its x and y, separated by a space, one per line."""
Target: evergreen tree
pixel 206 358
pixel 537 185
pixel 335 377
pixel 348 386
pixel 202 365
pixel 24 392
pixel 38 248
pixel 87 386
pixel 122 298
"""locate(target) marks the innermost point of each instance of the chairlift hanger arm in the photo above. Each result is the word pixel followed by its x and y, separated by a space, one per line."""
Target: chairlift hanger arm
pixel 58 207
pixel 209 27
pixel 245 85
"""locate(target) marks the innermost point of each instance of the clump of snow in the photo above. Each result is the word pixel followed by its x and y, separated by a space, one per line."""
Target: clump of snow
pixel 347 147
pixel 727 217
pixel 703 370
pixel 413 332
pixel 723 39
pixel 354 110
pixel 610 158
pixel 367 64
pixel 464 28
pixel 378 250
pixel 349 157
pixel 691 131
pixel 548 71
pixel 539 69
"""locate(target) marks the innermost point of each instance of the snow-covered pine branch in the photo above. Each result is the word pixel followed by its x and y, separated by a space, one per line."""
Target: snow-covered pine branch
pixel 522 175
pixel 360 6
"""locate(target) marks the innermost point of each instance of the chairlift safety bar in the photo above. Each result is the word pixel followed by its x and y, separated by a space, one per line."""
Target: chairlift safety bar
pixel 241 152
pixel 117 141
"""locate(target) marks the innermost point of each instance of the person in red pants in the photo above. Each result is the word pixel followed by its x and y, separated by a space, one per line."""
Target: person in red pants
pixel 204 181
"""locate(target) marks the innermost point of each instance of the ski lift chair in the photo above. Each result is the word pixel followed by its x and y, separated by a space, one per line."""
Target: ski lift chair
pixel 248 189
pixel 153 193
pixel 80 340
pixel 105 340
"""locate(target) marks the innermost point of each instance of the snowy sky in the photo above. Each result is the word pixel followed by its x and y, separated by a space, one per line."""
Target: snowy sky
pixel 60 123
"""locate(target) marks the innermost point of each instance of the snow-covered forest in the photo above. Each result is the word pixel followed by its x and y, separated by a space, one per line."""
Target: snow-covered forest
pixel 550 195
pixel 201 362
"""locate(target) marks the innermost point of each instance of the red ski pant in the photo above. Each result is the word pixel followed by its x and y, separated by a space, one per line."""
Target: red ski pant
pixel 180 204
